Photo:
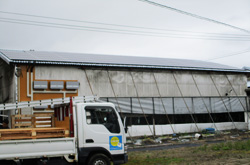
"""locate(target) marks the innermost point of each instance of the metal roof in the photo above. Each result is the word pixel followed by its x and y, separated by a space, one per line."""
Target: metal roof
pixel 84 59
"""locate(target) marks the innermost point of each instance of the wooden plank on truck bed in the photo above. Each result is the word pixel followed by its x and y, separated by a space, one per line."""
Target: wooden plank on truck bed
pixel 32 133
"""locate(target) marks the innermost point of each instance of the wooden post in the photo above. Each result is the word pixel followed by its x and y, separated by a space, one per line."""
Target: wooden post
pixel 13 121
pixel 52 121
pixel 33 121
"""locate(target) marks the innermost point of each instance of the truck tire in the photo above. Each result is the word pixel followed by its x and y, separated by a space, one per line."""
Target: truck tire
pixel 99 159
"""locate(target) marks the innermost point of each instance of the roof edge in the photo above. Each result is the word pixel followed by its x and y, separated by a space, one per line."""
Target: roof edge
pixel 5 58
pixel 128 66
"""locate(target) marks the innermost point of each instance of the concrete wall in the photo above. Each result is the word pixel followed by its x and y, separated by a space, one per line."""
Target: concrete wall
pixel 143 130
pixel 7 86
pixel 145 83
pixel 7 83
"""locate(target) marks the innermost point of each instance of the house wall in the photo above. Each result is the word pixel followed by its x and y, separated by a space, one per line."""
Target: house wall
pixel 26 91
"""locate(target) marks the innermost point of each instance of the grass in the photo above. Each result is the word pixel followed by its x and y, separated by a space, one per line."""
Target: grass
pixel 154 157
pixel 221 153
pixel 239 145
pixel 157 161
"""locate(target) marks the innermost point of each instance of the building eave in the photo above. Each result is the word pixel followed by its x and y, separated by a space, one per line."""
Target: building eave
pixel 5 58
pixel 127 66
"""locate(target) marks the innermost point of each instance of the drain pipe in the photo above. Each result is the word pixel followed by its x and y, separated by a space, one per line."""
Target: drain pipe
pixel 28 84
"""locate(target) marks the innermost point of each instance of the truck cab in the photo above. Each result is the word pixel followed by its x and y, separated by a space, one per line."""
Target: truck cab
pixel 101 134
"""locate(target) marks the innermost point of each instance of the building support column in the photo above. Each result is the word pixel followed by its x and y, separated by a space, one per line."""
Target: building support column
pixel 247 119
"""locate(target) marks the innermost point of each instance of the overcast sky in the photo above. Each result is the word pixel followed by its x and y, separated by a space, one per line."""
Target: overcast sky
pixel 176 41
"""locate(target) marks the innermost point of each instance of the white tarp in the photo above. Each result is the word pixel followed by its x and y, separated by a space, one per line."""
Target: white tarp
pixel 179 106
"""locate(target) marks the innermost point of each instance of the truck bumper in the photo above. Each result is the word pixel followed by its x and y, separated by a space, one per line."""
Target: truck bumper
pixel 120 159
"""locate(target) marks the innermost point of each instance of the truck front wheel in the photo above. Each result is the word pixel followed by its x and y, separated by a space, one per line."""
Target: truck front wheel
pixel 99 159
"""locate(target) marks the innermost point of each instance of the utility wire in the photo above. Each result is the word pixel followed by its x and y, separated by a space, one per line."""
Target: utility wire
pixel 195 15
pixel 117 25
pixel 111 29
pixel 234 54
pixel 107 30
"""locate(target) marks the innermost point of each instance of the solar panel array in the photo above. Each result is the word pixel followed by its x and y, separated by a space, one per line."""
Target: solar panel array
pixel 14 56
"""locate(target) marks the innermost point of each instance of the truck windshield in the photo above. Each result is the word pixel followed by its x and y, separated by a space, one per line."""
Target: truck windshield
pixel 103 115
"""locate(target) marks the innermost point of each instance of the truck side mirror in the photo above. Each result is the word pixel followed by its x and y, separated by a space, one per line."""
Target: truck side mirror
pixel 125 125
pixel 126 129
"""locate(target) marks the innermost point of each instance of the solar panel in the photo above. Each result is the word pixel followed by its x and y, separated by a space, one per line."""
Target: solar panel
pixel 14 56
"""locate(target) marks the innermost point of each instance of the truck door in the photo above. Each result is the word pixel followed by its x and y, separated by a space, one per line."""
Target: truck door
pixel 102 128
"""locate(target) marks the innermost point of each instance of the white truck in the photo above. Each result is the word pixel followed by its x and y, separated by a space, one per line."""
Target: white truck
pixel 96 136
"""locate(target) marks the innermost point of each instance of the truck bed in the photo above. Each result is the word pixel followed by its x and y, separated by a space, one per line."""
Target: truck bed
pixel 36 148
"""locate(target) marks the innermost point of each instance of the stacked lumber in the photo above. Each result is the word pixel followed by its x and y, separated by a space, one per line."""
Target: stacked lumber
pixel 32 121
pixel 32 133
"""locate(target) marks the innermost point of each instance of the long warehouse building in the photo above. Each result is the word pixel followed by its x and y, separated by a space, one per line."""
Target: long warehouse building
pixel 157 96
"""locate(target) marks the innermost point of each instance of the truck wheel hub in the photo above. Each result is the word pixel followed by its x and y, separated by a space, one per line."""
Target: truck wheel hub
pixel 100 162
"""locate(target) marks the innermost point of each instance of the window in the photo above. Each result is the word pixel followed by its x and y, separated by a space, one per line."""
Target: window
pixel 103 115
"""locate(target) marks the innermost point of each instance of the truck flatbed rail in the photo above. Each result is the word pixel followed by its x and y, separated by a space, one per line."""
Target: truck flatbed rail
pixel 25 104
